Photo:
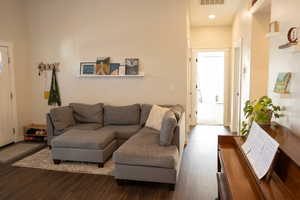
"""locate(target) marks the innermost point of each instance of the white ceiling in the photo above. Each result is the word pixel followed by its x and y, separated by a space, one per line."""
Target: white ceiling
pixel 224 13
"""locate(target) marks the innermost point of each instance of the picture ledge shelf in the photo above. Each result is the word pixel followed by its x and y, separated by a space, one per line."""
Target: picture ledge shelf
pixel 292 49
pixel 110 76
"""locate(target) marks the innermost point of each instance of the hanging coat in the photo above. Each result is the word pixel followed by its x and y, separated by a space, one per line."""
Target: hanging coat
pixel 54 96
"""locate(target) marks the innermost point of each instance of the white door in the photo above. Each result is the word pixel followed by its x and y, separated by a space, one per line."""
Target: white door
pixel 6 116
pixel 210 88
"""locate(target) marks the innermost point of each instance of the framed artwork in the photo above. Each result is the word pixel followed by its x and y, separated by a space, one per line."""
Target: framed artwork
pixel 102 66
pixel 132 66
pixel 282 82
pixel 87 68
pixel 114 68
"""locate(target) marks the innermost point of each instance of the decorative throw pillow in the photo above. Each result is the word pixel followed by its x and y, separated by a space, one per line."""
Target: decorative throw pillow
pixel 169 124
pixel 156 116
pixel 84 113
pixel 62 117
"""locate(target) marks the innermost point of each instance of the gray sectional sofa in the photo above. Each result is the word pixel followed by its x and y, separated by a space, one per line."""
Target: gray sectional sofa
pixel 94 133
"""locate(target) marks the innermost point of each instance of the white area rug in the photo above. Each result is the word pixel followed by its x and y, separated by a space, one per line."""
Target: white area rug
pixel 43 160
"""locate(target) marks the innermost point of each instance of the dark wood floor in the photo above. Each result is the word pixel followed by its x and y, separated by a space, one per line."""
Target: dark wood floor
pixel 197 178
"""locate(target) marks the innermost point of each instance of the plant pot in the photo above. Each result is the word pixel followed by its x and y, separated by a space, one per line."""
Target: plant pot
pixel 263 118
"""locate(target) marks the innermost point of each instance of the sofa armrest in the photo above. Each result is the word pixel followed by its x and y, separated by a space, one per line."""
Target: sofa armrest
pixel 50 129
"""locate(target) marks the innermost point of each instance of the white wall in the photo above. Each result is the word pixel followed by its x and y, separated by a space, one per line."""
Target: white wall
pixel 287 13
pixel 70 31
pixel 259 55
pixel 211 37
pixel 13 29
pixel 242 31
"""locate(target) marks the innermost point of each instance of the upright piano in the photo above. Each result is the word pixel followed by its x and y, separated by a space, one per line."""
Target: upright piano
pixel 237 179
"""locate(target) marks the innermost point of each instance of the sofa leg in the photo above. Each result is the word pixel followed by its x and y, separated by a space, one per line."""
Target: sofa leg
pixel 120 182
pixel 171 187
pixel 57 162
pixel 100 165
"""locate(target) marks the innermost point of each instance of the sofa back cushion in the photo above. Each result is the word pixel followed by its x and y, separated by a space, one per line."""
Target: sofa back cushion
pixel 122 115
pixel 84 113
pixel 62 117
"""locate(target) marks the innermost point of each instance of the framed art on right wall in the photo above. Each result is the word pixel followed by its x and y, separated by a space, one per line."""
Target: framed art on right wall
pixel 282 82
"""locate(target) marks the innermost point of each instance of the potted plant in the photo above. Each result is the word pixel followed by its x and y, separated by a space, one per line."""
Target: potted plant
pixel 261 111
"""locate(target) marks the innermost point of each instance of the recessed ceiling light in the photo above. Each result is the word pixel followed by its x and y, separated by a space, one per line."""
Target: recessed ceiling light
pixel 212 16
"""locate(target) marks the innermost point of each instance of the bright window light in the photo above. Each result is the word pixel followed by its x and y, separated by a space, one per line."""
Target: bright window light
pixel 212 16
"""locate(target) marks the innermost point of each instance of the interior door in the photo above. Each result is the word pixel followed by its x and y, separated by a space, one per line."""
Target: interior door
pixel 210 88
pixel 6 122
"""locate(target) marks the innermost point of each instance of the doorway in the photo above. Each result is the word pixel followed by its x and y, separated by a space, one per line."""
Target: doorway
pixel 7 118
pixel 211 83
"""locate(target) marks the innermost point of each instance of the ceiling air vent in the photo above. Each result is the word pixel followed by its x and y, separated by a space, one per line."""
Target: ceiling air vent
pixel 211 2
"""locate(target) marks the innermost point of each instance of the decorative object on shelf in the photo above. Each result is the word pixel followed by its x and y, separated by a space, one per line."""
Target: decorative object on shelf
pixel 292 36
pixel 35 132
pixel 47 67
pixel 132 66
pixel 114 68
pixel 261 111
pixel 102 66
pixel 274 27
pixel 54 95
pixel 282 82
pixel 87 68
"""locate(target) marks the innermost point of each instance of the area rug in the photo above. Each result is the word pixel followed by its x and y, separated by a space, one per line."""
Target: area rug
pixel 43 160
pixel 13 152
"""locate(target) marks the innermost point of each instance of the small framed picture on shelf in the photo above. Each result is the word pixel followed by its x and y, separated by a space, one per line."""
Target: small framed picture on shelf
pixel 88 68
pixel 132 66
pixel 102 66
pixel 282 82
pixel 122 70
pixel 114 68
pixel 274 27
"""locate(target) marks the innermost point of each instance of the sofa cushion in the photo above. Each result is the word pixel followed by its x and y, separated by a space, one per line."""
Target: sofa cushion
pixel 156 116
pixel 167 129
pixel 145 111
pixel 87 126
pixel 143 149
pixel 123 131
pixel 84 113
pixel 82 139
pixel 122 115
pixel 62 118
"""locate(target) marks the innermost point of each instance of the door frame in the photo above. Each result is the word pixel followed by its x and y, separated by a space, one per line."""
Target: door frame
pixel 236 87
pixel 193 82
pixel 14 116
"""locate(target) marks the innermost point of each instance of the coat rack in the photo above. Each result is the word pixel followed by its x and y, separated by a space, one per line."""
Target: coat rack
pixel 47 67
